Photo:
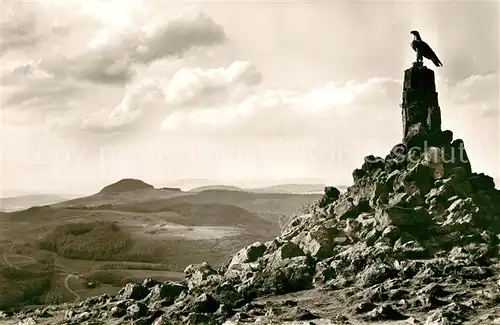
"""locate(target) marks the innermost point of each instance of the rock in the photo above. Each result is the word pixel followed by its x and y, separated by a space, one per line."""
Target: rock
pixel 397 216
pixel 375 274
pixel 460 157
pixel 288 250
pixel 205 304
pixel 118 311
pixel 226 294
pixel 162 320
pixel 434 289
pixel 365 307
pixel 410 250
pixel 197 274
pixel 27 321
pixel 450 314
pixel 385 312
pixel 168 291
pixel 379 195
pixel 198 319
pixel 446 137
pixel 476 272
pixel 297 314
pixel 42 313
pixel 317 242
pixel 133 291
pixel 433 158
pixel 344 209
pixel 481 182
pixel 358 174
pixel 137 310
pixel 249 254
pixel 149 283
pixel 330 196
pixel 372 163
pixel 324 272
pixel 281 276
pixel 421 176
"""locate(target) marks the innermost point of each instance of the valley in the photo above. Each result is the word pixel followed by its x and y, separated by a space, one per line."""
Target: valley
pixel 66 248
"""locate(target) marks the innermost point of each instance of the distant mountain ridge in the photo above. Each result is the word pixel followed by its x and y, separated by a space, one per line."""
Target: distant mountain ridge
pixel 217 188
pixel 291 188
pixel 286 188
pixel 22 202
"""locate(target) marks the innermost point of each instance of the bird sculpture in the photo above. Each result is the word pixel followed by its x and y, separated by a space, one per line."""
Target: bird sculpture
pixel 423 49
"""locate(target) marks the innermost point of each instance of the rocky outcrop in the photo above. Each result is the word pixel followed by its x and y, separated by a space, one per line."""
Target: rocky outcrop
pixel 415 238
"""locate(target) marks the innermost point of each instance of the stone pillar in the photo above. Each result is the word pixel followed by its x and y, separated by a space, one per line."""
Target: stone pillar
pixel 420 109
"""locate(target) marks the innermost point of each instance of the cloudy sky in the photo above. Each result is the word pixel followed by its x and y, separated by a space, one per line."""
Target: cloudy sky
pixel 250 93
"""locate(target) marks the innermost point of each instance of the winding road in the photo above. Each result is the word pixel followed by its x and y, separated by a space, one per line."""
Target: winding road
pixel 68 277
pixel 7 260
pixel 66 285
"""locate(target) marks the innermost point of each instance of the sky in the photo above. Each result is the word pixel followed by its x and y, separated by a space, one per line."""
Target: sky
pixel 245 93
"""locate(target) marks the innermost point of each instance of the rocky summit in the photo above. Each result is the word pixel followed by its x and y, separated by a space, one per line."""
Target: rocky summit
pixel 415 240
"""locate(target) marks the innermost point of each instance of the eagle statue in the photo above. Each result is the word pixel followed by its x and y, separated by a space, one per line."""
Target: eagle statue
pixel 423 49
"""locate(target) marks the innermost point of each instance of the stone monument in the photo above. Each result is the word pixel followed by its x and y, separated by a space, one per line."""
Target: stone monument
pixel 420 107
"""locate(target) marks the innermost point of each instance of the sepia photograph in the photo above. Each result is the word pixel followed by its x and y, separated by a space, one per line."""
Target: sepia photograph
pixel 311 162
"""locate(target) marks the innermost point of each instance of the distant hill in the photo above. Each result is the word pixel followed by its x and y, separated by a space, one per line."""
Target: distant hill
pixel 291 188
pixel 187 184
pixel 108 199
pixel 23 202
pixel 216 187
pixel 125 185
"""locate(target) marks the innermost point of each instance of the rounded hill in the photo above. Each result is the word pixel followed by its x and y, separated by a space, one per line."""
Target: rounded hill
pixel 125 185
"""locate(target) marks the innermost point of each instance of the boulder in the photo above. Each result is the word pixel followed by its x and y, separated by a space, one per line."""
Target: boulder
pixel 481 182
pixel 288 250
pixel 402 217
pixel 372 163
pixel 330 196
pixel 421 176
pixel 375 274
pixel 358 174
pixel 433 158
pixel 248 254
pixel 133 291
pixel 196 274
pixel 385 312
pixel 347 208
pixel 446 137
pixel 317 242
pixel 204 303
pixel 137 310
pixel 167 291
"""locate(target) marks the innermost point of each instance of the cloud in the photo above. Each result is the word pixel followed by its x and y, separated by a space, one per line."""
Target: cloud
pixel 293 112
pixel 85 65
pixel 147 100
pixel 112 55
pixel 478 94
pixel 129 114
pixel 28 26
pixel 16 33
pixel 195 86
pixel 104 42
